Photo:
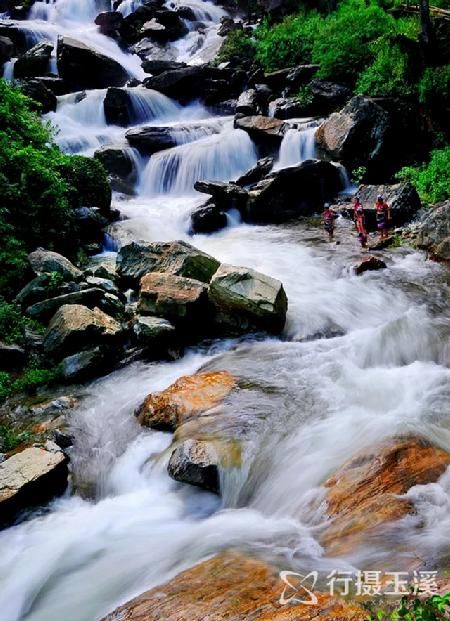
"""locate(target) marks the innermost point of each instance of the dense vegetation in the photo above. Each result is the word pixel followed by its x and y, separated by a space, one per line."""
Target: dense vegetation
pixel 40 189
pixel 432 179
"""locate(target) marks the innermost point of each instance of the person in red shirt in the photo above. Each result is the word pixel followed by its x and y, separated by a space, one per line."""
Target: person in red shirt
pixel 383 216
pixel 329 216
pixel 360 222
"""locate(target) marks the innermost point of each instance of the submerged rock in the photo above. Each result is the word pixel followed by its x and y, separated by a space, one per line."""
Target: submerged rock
pixel 188 397
pixel 30 477
pixel 208 219
pixel 235 587
pixel 364 496
pixel 150 139
pixel 369 264
pixel 74 327
pixel 195 462
pixel 245 300
pixel 178 258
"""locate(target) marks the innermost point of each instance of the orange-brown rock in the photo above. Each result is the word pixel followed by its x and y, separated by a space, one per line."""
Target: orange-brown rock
pixel 362 496
pixel 234 587
pixel 189 396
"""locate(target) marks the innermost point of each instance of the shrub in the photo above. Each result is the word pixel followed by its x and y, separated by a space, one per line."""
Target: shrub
pixel 431 180
pixel 288 43
pixel 434 94
pixel 88 183
pixel 13 323
pixel 10 439
pixel 238 49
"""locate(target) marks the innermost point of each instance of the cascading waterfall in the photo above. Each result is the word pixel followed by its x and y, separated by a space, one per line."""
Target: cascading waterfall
pixel 147 105
pixel 297 146
pixel 215 158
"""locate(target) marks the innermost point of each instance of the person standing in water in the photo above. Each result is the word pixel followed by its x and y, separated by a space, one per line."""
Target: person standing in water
pixel 383 216
pixel 329 216
pixel 360 222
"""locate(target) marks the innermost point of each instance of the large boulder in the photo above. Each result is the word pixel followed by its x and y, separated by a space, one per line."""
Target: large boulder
pixel 247 103
pixel 84 365
pixel 257 173
pixel 291 192
pixel 196 462
pixel 286 108
pixel 48 262
pixel 154 333
pixel 208 218
pixel 369 264
pixel 357 135
pixel 178 258
pixel 150 140
pixel 402 198
pixel 244 300
pixel 74 327
pixel 34 62
pixel 434 232
pixel 30 477
pixel 83 67
pixel 44 310
pixel 189 396
pixel 120 164
pixel 224 195
pixel 235 587
pixel 117 106
pixel 178 299
pixel 265 131
pixel 364 496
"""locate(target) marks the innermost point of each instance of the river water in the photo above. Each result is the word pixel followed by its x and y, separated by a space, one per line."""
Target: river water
pixel 361 358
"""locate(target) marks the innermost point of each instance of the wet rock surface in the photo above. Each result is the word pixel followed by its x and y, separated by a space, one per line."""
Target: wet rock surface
pixel 434 231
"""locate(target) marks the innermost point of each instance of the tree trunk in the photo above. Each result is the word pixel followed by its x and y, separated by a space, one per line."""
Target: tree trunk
pixel 426 26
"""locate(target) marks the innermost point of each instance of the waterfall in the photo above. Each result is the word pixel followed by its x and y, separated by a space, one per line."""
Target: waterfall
pixel 297 146
pixel 215 158
pixel 8 69
pixel 147 104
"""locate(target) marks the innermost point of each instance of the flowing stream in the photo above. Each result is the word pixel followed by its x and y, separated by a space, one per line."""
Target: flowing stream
pixel 361 358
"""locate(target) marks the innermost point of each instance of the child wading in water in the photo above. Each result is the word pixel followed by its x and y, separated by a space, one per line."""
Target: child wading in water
pixel 329 216
pixel 383 215
pixel 360 222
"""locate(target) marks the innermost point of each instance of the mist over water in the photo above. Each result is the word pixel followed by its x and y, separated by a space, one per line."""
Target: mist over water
pixel 360 360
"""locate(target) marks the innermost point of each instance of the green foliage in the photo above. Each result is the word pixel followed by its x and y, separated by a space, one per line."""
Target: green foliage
pixel 39 188
pixel 288 43
pixel 390 73
pixel 304 96
pixel 238 49
pixel 412 608
pixel 431 180
pixel 358 174
pixel 13 324
pixel 28 381
pixel 9 439
pixel 434 94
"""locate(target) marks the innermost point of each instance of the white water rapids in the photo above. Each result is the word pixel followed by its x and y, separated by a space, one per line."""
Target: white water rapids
pixel 361 359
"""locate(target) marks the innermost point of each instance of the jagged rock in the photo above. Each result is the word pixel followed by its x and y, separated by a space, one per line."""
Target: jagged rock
pixel 136 259
pixel 38 91
pixel 6 49
pixel 245 300
pixel 30 477
pixel 104 283
pixel 117 107
pixel 291 192
pixel 365 493
pixel 188 397
pixel 356 135
pixel 208 219
pixel 265 131
pixel 150 140
pixel 173 297
pixel 257 173
pixel 11 357
pixel 402 198
pixel 328 96
pixel 235 587
pixel 83 365
pixel 247 102
pixel 83 67
pixel 150 50
pixel 118 162
pixel 42 311
pixel 47 262
pixel 369 264
pixel 158 66
pixel 153 332
pixel 34 291
pixel 74 327
pixel 195 462
pixel 102 267
pixel 286 108
pixel 434 231
pixel 109 22
pixel 225 195
pixel 34 62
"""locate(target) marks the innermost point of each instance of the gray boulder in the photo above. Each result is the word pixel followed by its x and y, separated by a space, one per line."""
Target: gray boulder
pixel 74 327
pixel 434 231
pixel 245 300
pixel 153 331
pixel 44 310
pixel 150 140
pixel 34 62
pixel 248 102
pixel 195 462
pixel 402 198
pixel 208 218
pixel 30 477
pixel 47 262
pixel 178 258
pixel 83 365
pixel 264 130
